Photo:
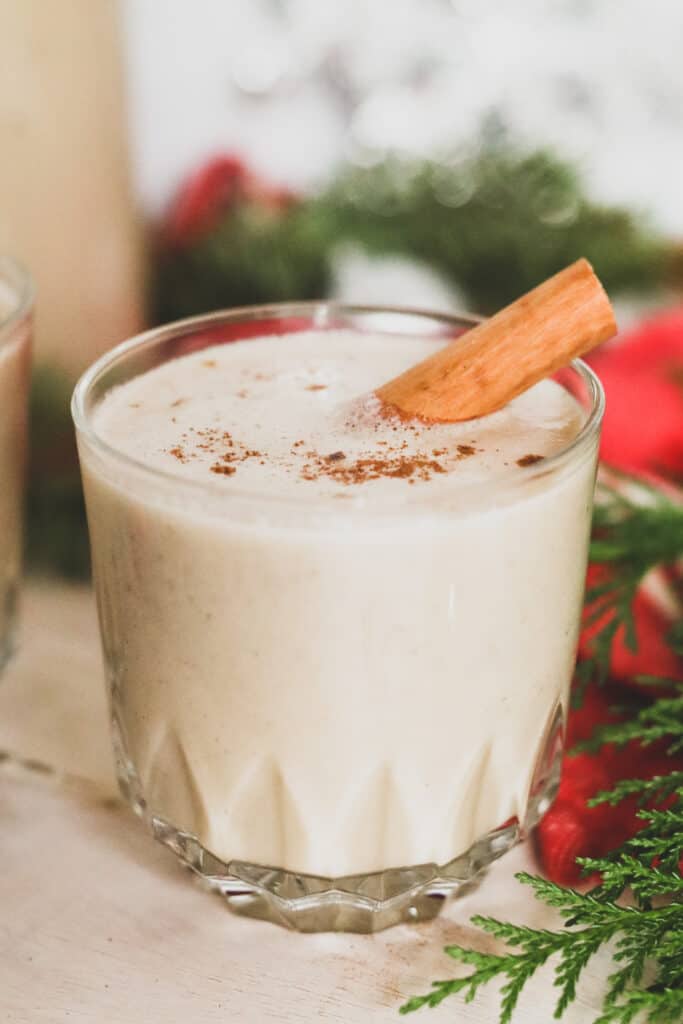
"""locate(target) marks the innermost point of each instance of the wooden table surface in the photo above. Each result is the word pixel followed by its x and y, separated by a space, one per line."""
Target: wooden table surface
pixel 100 925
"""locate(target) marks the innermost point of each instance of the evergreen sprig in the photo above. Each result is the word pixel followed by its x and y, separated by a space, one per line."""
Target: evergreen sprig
pixel 492 225
pixel 656 789
pixel 631 536
pixel 643 937
pixel 590 923
pixel 662 720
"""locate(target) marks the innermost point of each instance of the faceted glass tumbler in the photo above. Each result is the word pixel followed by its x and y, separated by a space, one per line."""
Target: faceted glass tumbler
pixel 336 713
pixel 16 300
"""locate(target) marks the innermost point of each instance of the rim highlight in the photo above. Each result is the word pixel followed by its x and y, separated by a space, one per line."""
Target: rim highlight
pixel 320 313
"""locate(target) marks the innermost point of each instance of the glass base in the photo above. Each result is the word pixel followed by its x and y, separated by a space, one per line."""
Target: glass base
pixel 356 903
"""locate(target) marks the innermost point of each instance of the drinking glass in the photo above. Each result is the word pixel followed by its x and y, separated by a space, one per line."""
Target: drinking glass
pixel 336 712
pixel 16 303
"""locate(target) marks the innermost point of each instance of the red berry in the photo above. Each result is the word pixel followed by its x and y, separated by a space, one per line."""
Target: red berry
pixel 561 837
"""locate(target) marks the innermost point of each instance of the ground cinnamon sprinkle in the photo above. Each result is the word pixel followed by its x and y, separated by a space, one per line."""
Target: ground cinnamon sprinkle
pixel 316 387
pixel 404 467
pixel 389 460
pixel 178 453
pixel 529 460
pixel 215 442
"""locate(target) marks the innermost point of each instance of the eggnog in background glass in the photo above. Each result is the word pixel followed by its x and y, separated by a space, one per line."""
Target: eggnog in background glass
pixel 338 645
pixel 16 301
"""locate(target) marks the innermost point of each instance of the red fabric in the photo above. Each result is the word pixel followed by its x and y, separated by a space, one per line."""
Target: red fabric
pixel 652 656
pixel 642 434
pixel 643 381
pixel 571 829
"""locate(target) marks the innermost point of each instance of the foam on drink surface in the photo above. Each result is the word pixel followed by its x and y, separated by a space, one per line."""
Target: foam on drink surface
pixel 294 415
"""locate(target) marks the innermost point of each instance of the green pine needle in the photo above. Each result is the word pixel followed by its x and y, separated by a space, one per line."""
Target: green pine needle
pixel 631 536
pixel 659 1006
pixel 653 790
pixel 641 937
pixel 660 721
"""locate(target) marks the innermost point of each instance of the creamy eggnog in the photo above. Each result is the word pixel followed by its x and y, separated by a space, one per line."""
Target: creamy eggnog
pixel 337 642
pixel 14 374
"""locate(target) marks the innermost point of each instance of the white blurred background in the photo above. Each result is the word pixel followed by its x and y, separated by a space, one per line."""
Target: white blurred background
pixel 298 86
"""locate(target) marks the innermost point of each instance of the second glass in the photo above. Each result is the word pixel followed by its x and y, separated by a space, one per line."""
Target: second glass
pixel 16 299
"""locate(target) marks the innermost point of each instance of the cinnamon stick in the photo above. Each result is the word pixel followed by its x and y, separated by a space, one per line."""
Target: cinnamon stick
pixel 563 318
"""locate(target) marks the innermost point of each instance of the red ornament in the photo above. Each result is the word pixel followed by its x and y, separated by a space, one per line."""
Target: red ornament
pixel 212 192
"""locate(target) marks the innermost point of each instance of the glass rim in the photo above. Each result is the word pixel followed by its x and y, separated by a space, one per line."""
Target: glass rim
pixel 319 312
pixel 21 284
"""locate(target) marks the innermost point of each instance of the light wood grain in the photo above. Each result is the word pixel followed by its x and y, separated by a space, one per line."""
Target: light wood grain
pixel 100 925
pixel 53 705
pixel 532 338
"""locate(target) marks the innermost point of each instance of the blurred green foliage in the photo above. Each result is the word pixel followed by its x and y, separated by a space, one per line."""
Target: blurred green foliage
pixel 255 255
pixel 56 536
pixel 493 226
